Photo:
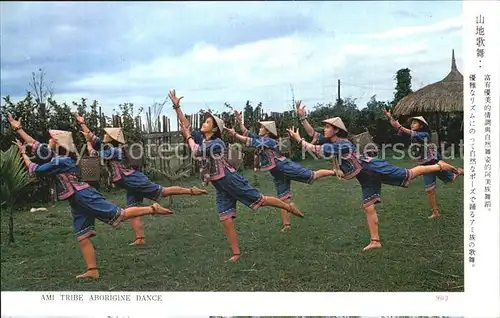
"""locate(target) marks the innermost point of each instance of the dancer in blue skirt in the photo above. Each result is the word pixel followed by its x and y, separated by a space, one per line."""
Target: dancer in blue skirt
pixel 269 158
pixel 207 146
pixel 371 173
pixel 427 154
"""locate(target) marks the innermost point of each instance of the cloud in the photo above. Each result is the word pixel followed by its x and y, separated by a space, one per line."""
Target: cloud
pixel 210 52
pixel 403 14
pixel 407 31
pixel 259 71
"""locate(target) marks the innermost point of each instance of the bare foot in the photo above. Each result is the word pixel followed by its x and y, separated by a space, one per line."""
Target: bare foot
pixel 435 214
pixel 234 258
pixel 158 209
pixel 138 241
pixel 295 211
pixel 460 171
pixel 93 273
pixel 373 244
pixel 447 167
pixel 286 228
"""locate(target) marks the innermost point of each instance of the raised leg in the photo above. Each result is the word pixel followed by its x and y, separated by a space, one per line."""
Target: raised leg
pixel 136 211
pixel 277 203
pixel 323 173
pixel 440 166
pixel 175 190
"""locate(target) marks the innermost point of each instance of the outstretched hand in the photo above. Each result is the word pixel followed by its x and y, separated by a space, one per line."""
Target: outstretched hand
pixel 238 116
pixel 15 124
pixel 231 131
pixel 294 133
pixel 80 119
pixel 301 111
pixel 20 146
pixel 175 100
pixel 387 113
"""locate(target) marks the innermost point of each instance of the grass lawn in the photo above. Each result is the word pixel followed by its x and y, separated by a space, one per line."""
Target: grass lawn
pixel 186 252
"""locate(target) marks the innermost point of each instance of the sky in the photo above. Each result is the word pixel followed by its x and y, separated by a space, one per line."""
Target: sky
pixel 216 52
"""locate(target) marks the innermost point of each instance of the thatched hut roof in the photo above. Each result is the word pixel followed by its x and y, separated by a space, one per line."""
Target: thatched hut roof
pixel 446 95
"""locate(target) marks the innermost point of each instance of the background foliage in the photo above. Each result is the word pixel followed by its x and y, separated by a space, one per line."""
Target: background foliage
pixel 39 111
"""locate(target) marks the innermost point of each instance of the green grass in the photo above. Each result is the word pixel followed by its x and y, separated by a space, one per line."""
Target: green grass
pixel 186 252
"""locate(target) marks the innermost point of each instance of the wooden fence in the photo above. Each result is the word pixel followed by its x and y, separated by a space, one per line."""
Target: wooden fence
pixel 165 147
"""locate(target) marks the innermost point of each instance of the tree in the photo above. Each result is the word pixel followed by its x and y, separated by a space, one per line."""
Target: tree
pixel 403 85
pixel 92 119
pixel 250 115
pixel 13 179
pixel 371 118
pixel 40 88
pixel 43 92
pixel 346 109
pixel 26 111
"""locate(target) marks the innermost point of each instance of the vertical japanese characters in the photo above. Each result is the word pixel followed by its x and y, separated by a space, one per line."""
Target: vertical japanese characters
pixel 480 43
pixel 487 141
pixel 472 168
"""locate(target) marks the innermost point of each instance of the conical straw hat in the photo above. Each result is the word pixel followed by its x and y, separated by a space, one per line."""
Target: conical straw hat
pixel 218 121
pixel 336 122
pixel 63 139
pixel 420 119
pixel 270 126
pixel 116 133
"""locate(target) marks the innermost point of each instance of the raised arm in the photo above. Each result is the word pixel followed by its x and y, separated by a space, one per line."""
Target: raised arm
pixel 303 118
pixel 186 133
pixel 394 123
pixel 37 148
pixel 294 133
pixel 16 125
pixel 254 141
pixel 94 143
pixel 237 136
pixel 90 148
pixel 239 119
pixel 22 151
pixel 81 121
pixel 33 168
pixel 176 104
pixel 326 150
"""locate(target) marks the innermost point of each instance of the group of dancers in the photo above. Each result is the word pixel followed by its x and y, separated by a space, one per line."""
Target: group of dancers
pixel 207 146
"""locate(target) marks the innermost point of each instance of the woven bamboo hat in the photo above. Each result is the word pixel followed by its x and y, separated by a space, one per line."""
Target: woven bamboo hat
pixel 270 126
pixel 63 139
pixel 219 122
pixel 336 122
pixel 420 119
pixel 116 133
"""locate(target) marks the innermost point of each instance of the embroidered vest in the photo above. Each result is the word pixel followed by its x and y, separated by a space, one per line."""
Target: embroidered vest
pixel 350 164
pixel 212 167
pixel 66 185
pixel 117 168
